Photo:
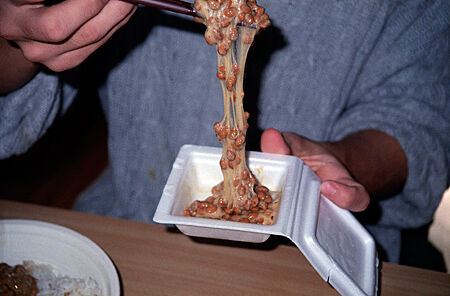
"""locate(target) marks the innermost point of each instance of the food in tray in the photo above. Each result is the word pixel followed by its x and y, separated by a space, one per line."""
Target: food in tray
pixel 239 197
pixel 31 279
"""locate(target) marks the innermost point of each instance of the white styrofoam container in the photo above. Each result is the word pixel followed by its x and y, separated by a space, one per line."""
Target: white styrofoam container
pixel 333 241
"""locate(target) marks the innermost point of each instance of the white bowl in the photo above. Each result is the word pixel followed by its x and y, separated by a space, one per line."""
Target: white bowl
pixel 67 252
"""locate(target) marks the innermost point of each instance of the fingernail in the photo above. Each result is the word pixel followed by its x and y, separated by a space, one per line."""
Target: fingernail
pixel 328 189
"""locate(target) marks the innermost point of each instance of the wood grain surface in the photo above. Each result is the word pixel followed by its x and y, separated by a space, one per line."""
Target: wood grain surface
pixel 156 260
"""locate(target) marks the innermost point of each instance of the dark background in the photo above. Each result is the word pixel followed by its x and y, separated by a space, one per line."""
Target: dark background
pixel 73 153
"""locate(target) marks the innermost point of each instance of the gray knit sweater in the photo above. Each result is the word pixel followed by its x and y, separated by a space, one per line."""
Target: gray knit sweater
pixel 324 69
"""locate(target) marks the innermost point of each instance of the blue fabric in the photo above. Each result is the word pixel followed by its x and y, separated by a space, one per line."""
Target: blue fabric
pixel 324 69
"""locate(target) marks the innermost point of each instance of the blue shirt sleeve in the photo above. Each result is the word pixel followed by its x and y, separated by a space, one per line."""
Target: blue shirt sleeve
pixel 27 113
pixel 402 90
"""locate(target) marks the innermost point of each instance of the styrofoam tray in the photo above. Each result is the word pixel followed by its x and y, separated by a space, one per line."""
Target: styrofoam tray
pixel 67 252
pixel 333 241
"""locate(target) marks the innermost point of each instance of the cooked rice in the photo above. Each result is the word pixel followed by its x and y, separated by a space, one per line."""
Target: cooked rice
pixel 50 284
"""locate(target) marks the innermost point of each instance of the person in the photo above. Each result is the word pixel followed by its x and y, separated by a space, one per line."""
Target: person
pixel 360 90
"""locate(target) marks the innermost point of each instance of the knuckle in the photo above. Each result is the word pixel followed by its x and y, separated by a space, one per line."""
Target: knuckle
pixel 34 53
pixel 126 9
pixel 55 30
pixel 94 7
pixel 90 35
pixel 58 66
pixel 123 8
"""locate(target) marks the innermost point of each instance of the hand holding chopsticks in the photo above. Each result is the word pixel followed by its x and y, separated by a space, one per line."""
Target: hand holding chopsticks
pixel 57 34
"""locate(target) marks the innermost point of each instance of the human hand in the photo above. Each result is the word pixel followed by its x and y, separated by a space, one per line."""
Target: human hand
pixel 63 35
pixel 337 183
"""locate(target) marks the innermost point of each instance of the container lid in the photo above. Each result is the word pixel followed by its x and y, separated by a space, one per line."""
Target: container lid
pixel 333 241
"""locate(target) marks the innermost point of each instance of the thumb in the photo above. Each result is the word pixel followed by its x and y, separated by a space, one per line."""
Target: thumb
pixel 273 142
pixel 347 195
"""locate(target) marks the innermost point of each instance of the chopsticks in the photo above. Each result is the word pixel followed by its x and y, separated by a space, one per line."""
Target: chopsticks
pixel 171 5
pixel 178 6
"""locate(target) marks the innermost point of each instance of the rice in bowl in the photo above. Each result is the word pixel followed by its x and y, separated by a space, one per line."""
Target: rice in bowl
pixel 51 284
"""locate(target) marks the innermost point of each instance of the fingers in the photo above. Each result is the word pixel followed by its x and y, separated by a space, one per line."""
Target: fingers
pixel 337 183
pixel 63 35
pixel 57 22
pixel 273 142
pixel 90 36
pixel 352 196
pixel 73 58
pixel 111 17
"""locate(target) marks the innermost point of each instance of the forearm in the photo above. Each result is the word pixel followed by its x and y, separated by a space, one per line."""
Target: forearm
pixel 15 70
pixel 375 159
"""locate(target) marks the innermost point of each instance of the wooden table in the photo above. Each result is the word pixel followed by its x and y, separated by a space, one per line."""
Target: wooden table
pixel 153 260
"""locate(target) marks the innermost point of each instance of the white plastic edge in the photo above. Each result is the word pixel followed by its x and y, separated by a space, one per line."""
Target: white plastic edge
pixel 303 233
pixel 70 235
pixel 302 227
